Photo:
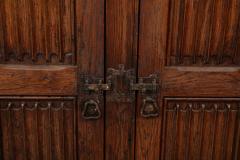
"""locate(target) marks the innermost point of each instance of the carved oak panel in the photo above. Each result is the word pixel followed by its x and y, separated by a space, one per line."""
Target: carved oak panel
pixel 37 127
pixel 201 128
pixel 203 33
pixel 37 32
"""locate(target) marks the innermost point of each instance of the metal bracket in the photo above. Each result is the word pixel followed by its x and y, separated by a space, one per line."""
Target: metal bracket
pixel 120 79
pixel 121 85
pixel 95 85
pixel 146 84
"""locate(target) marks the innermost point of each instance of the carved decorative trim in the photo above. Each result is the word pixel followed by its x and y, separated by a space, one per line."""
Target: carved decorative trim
pixel 37 32
pixel 201 127
pixel 202 104
pixel 39 58
pixel 37 127
pixel 203 33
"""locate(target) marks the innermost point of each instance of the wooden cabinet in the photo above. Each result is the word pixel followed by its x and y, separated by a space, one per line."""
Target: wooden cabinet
pixel 119 79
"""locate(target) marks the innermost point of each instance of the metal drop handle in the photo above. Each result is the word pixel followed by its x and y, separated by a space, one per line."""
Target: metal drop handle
pixel 91 109
pixel 149 108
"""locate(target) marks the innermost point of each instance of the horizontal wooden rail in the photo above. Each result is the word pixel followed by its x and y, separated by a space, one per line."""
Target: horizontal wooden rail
pixel 38 80
pixel 201 81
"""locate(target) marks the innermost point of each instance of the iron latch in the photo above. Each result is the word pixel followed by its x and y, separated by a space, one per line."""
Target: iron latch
pixel 91 91
pixel 146 84
pixel 148 88
pixel 121 86
pixel 96 85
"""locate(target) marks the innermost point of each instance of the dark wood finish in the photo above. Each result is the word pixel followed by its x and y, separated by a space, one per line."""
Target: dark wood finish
pixel 90 50
pixel 203 33
pixel 200 128
pixel 193 45
pixel 152 37
pixel 121 40
pixel 37 32
pixel 201 81
pixel 37 57
pixel 38 127
pixel 47 45
pixel 38 80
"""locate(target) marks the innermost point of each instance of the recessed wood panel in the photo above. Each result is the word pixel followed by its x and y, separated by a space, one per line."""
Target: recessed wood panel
pixel 37 32
pixel 203 33
pixel 37 127
pixel 201 128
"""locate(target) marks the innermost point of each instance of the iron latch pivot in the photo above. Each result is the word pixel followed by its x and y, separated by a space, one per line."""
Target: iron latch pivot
pixel 146 84
pixel 96 86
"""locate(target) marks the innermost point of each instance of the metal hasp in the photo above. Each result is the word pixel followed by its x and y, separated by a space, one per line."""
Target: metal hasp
pixel 146 85
pixel 91 91
pixel 120 78
pixel 95 85
pixel 148 88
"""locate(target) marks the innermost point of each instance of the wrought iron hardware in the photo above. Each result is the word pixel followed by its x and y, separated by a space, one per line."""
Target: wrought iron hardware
pixel 121 86
pixel 91 90
pixel 91 110
pixel 95 85
pixel 146 84
pixel 149 108
pixel 148 88
pixel 120 79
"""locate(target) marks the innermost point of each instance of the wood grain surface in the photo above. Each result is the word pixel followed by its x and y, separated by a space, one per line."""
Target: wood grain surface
pixel 46 46
pixel 90 61
pixel 121 40
pixel 38 127
pixel 38 80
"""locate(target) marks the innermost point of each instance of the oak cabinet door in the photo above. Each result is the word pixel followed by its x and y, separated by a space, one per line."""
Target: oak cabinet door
pixel 45 48
pixel 194 46
pixel 38 74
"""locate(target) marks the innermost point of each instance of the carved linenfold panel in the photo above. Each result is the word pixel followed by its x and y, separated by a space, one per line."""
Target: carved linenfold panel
pixel 37 32
pixel 37 127
pixel 204 33
pixel 201 128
